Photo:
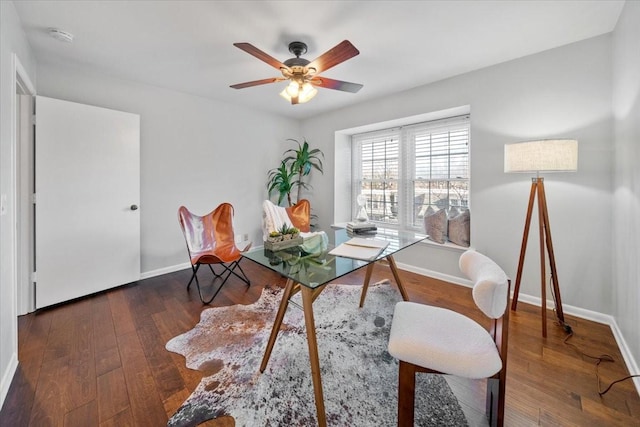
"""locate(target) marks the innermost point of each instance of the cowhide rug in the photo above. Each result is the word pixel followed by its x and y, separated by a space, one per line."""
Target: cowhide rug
pixel 359 377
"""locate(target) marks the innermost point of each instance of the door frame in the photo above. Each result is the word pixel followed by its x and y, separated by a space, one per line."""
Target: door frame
pixel 24 298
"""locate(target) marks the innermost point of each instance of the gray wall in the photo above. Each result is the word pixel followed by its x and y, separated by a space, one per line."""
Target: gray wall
pixel 626 189
pixel 12 40
pixel 194 152
pixel 564 92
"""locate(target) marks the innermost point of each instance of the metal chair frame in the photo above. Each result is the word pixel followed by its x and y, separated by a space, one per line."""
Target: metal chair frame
pixel 230 269
pixel 211 257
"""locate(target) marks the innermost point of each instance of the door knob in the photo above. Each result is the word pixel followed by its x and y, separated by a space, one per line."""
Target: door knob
pixel 134 207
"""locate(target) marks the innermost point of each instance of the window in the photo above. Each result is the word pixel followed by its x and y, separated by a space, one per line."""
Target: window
pixel 402 171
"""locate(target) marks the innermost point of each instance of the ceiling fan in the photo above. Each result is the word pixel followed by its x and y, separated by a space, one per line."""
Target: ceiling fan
pixel 303 75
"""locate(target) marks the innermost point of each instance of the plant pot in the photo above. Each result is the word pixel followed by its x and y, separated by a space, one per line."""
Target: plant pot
pixel 276 246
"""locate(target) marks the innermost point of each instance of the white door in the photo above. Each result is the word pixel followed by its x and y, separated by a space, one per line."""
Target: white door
pixel 87 193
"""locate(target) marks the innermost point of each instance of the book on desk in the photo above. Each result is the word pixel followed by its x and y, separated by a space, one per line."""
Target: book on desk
pixel 361 228
pixel 360 248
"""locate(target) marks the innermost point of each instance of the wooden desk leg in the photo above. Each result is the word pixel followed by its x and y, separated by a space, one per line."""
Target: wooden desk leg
pixel 394 270
pixel 307 304
pixel 365 286
pixel 284 303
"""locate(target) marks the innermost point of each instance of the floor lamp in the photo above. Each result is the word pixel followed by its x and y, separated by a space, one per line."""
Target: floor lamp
pixel 550 155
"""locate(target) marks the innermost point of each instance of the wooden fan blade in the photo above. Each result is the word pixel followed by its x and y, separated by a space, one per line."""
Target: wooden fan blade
pixel 252 50
pixel 336 84
pixel 257 82
pixel 333 57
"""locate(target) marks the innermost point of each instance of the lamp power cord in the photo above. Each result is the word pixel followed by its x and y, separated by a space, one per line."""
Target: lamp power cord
pixel 598 359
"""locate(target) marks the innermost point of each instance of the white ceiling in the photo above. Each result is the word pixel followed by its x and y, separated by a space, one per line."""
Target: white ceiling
pixel 188 45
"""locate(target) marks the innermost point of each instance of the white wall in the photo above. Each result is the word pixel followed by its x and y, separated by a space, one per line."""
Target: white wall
pixel 626 189
pixel 564 92
pixel 194 152
pixel 12 41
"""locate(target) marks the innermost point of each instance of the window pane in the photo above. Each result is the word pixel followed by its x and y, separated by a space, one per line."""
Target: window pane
pixel 459 194
pixel 380 158
pixel 436 193
pixel 382 201
pixel 459 166
pixel 429 160
pixel 380 172
pixel 440 194
pixel 419 205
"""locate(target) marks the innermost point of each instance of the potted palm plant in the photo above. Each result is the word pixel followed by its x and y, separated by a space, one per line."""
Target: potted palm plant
pixel 298 163
pixel 281 181
pixel 303 160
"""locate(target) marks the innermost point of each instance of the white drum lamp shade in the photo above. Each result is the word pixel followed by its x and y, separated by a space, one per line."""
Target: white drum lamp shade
pixel 547 155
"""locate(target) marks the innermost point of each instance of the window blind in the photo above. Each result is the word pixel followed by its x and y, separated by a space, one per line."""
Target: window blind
pixel 403 170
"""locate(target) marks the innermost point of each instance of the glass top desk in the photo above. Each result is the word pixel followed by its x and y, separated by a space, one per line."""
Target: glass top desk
pixel 310 273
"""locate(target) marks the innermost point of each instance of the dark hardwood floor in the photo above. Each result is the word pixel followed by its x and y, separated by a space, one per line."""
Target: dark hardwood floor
pixel 101 361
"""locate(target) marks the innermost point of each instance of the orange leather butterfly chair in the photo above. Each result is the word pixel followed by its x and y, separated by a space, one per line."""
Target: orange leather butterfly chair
pixel 210 240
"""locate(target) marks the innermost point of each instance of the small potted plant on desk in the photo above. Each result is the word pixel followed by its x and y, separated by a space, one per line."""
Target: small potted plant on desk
pixel 285 237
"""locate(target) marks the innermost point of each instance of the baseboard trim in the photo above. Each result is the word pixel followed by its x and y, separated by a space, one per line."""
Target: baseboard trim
pixel 582 313
pixel 632 364
pixel 435 274
pixel 165 270
pixel 7 377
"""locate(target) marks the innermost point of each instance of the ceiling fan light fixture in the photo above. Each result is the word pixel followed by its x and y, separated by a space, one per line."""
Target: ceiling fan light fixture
pixel 307 92
pixel 293 89
pixel 304 92
pixel 285 95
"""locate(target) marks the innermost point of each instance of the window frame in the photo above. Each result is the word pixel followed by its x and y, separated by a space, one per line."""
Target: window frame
pixel 406 217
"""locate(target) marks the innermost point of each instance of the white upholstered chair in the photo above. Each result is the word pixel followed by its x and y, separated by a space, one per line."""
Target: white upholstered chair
pixel 437 340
